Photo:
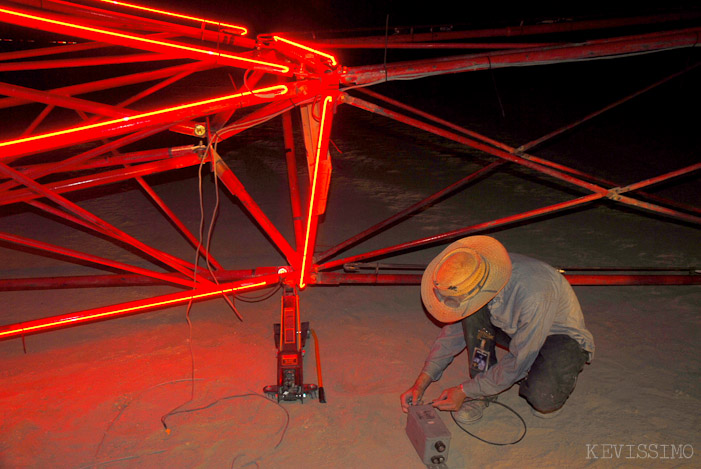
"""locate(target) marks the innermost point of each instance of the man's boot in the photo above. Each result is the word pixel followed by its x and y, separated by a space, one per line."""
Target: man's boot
pixel 472 410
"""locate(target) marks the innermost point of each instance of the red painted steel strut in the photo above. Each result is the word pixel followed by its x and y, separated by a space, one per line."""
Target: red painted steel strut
pixel 115 82
pixel 612 194
pixel 232 183
pixel 688 278
pixel 604 48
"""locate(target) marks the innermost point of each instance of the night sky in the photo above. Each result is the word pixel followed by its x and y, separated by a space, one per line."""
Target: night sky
pixel 267 16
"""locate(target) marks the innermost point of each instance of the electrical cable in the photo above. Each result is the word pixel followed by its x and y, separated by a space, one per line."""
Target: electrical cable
pixel 247 464
pixel 495 443
pixel 189 304
pixel 238 396
pixel 124 407
pixel 215 213
pixel 125 458
pixel 259 298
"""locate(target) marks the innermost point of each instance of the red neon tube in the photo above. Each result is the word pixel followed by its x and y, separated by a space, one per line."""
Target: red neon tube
pixel 329 57
pixel 85 133
pixel 322 145
pixel 241 30
pixel 139 306
pixel 22 18
pixel 291 158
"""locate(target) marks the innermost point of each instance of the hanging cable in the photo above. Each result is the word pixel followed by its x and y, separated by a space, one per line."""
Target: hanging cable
pixel 189 303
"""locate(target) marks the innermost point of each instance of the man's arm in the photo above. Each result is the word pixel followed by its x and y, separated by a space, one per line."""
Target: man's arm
pixel 414 394
pixel 449 343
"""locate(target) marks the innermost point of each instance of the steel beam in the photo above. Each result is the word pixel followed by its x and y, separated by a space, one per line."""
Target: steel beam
pixel 336 278
pixel 604 48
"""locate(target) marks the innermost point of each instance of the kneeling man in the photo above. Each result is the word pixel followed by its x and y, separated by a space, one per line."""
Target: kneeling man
pixel 486 296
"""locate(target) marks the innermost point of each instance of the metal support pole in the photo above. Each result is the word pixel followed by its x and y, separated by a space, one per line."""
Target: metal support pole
pixel 519 152
pixel 462 231
pixel 527 146
pixel 613 194
pixel 337 278
pixel 291 158
pixel 83 62
pixel 71 253
pixel 187 159
pixel 116 82
pixel 173 218
pixel 409 211
pixel 603 48
pixel 172 261
pixel 232 183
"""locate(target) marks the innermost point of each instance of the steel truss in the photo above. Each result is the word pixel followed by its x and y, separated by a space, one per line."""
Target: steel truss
pixel 279 75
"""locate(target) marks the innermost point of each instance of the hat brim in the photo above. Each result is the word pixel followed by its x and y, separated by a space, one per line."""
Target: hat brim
pixel 494 253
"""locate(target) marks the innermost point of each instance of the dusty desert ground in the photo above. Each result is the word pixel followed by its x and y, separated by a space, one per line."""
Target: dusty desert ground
pixel 93 396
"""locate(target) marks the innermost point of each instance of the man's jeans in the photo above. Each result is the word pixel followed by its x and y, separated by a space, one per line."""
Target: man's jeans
pixel 553 375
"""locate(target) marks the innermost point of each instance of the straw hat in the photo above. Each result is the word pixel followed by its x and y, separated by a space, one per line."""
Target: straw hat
pixel 465 277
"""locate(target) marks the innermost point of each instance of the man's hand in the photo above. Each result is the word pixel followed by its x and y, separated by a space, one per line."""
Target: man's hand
pixel 450 399
pixel 414 394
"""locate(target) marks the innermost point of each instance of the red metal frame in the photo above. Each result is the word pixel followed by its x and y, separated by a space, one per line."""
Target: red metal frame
pixel 277 74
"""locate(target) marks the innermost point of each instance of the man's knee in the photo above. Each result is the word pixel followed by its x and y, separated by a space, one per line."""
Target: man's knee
pixel 547 396
pixel 553 376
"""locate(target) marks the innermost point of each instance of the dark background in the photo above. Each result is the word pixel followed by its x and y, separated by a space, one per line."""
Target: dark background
pixel 262 16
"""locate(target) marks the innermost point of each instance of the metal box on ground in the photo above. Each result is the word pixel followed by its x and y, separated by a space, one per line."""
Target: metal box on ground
pixel 428 434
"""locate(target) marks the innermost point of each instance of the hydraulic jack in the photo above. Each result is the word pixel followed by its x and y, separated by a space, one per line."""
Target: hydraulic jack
pixel 290 339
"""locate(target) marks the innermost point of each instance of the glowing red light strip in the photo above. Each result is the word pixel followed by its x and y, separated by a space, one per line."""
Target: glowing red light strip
pixel 243 30
pixel 277 89
pixel 305 253
pixel 78 319
pixel 209 53
pixel 331 58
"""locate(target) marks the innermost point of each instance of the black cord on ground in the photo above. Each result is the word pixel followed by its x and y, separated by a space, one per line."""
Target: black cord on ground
pixel 234 396
pixel 126 404
pixel 525 428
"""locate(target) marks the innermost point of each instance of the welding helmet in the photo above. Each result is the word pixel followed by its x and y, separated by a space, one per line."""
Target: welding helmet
pixel 465 277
